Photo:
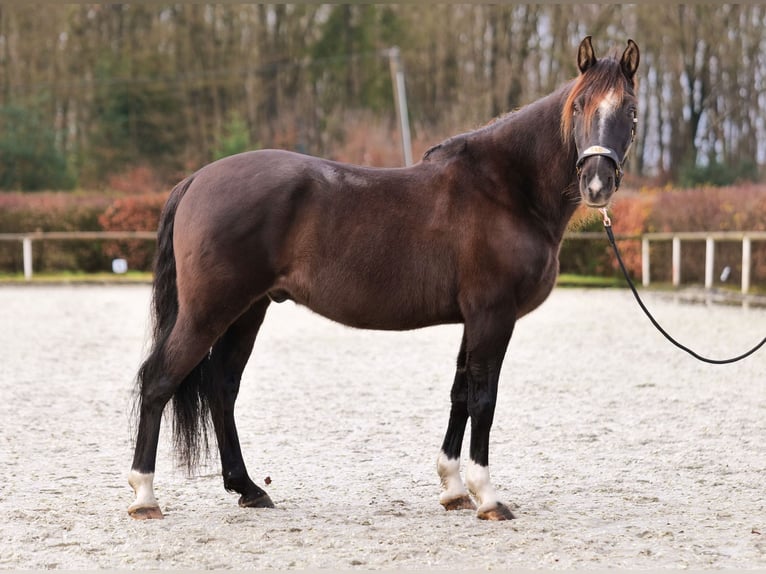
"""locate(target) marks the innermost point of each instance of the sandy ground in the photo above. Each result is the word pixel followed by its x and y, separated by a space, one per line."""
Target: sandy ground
pixel 616 449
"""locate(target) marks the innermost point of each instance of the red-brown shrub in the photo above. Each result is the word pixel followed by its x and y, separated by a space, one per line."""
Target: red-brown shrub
pixel 133 213
pixel 734 208
pixel 51 211
pixel 137 180
pixel 629 215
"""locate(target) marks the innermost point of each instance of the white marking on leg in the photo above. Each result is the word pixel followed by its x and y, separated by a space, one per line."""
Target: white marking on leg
pixel 143 486
pixel 449 473
pixel 595 185
pixel 477 478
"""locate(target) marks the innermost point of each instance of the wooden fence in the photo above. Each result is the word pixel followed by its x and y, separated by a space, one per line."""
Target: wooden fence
pixel 710 238
pixel 26 240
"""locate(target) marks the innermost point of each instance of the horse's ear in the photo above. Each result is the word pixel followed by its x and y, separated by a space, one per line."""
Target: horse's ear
pixel 630 58
pixel 585 55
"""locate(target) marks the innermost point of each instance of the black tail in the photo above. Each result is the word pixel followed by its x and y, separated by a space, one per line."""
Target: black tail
pixel 191 406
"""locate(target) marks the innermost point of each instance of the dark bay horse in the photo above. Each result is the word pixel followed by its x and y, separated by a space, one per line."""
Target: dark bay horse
pixel 470 235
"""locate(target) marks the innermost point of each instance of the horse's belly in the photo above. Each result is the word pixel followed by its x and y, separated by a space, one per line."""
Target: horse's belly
pixel 357 303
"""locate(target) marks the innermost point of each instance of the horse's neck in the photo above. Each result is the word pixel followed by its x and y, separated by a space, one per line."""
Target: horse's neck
pixel 536 163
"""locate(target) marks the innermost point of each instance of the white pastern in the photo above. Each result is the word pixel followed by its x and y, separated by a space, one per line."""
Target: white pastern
pixel 477 478
pixel 449 473
pixel 595 184
pixel 143 486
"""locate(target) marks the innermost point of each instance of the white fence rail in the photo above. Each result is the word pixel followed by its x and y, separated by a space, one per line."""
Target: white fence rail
pixel 26 240
pixel 710 238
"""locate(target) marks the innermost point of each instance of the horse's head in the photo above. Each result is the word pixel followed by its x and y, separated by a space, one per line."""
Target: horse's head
pixel 600 115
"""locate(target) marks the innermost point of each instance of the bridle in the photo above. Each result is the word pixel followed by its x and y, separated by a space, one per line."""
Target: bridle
pixel 610 153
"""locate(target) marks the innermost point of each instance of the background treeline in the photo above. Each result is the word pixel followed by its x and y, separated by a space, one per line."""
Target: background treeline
pixel 108 95
pixel 122 100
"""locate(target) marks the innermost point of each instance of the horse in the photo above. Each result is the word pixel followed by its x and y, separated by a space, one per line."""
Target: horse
pixel 468 235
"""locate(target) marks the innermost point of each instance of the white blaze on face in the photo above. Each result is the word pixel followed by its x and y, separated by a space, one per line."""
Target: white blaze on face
pixel 606 109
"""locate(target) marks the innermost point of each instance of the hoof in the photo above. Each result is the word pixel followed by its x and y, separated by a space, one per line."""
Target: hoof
pixel 459 503
pixel 497 512
pixel 262 501
pixel 146 513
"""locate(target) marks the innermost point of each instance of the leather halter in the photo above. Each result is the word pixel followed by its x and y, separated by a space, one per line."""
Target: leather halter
pixel 610 153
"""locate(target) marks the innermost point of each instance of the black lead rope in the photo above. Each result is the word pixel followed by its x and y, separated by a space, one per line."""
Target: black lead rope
pixel 610 235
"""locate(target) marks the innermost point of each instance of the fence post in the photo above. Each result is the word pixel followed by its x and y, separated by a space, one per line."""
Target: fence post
pixel 645 269
pixel 709 261
pixel 676 262
pixel 26 249
pixel 746 254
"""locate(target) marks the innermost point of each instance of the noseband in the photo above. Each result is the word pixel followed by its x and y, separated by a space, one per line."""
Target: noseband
pixel 604 152
pixel 610 153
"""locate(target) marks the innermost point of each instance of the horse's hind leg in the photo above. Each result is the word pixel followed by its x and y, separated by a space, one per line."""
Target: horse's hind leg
pixel 230 355
pixel 454 495
pixel 162 373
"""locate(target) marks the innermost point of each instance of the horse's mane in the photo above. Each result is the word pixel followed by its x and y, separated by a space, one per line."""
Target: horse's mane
pixel 597 81
pixel 456 144
pixel 449 147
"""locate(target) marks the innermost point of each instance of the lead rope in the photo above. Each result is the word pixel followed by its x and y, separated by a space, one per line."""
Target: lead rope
pixel 610 235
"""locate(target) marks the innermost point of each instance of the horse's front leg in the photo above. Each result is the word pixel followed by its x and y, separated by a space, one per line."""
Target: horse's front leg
pixel 487 341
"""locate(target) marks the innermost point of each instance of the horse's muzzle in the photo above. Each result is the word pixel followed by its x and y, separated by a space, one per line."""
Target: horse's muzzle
pixel 599 176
